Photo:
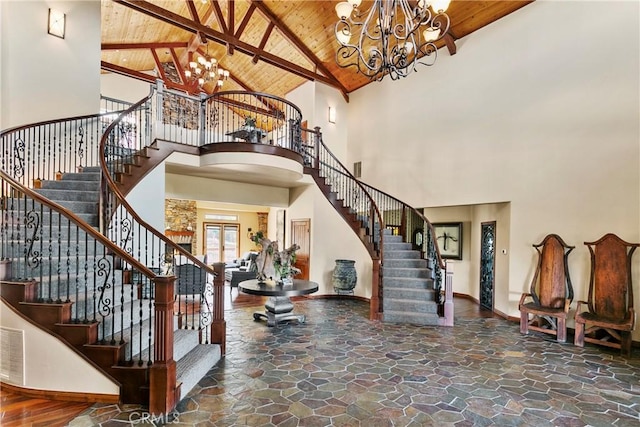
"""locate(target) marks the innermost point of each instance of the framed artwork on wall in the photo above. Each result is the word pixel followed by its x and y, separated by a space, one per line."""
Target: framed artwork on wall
pixel 449 238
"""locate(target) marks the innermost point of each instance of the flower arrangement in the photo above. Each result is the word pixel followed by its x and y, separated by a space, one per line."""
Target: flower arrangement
pixel 272 262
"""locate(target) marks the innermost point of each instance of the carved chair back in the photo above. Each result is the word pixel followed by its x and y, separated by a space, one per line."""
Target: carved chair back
pixel 551 284
pixel 610 287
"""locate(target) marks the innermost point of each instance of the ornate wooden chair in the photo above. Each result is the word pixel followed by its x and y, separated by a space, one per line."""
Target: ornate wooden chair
pixel 610 317
pixel 546 306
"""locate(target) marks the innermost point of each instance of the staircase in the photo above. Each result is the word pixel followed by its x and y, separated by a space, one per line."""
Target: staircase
pixel 79 192
pixel 97 244
pixel 408 294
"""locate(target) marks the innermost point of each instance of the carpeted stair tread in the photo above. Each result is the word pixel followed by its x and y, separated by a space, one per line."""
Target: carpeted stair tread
pixel 401 254
pixel 422 319
pixel 194 365
pixel 417 294
pixel 406 272
pixel 405 263
pixel 81 176
pixel 72 184
pixel 184 340
pixel 409 306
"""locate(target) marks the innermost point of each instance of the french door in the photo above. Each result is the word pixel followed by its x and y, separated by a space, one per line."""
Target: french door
pixel 221 242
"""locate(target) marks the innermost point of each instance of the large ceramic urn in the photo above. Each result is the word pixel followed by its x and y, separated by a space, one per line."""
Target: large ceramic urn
pixel 344 276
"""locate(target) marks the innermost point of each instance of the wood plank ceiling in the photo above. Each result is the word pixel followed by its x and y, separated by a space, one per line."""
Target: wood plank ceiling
pixel 270 46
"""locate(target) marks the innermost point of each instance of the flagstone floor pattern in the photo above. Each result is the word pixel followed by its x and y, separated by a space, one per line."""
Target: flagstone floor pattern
pixel 340 369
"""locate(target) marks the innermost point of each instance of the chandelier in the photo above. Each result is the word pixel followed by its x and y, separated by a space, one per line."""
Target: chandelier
pixel 206 69
pixel 391 37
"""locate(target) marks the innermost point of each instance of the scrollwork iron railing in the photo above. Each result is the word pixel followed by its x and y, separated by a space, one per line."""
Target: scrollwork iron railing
pixel 125 138
pixel 43 151
pixel 73 263
pixel 226 117
pixel 353 196
pixel 399 217
pixel 403 220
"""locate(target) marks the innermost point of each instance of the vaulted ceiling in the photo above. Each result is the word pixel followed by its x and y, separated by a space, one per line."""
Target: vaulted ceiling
pixel 270 46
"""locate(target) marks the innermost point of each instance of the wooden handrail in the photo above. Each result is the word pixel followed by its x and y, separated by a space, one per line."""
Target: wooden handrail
pixel 121 200
pixel 115 249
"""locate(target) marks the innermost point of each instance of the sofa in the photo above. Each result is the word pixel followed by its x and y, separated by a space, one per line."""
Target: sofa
pixel 243 261
pixel 246 269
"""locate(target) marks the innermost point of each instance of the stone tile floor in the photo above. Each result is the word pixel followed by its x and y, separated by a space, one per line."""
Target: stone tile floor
pixel 340 369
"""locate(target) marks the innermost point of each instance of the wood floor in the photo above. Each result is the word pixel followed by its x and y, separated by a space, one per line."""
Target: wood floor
pixel 17 410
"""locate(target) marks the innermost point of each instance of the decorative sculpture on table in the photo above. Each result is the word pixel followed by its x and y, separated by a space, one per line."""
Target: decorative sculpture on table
pixel 274 264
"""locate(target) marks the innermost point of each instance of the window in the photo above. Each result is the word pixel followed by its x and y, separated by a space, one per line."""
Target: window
pixel 220 217
pixel 221 242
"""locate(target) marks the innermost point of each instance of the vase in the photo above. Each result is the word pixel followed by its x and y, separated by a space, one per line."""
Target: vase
pixel 344 276
pixel 287 280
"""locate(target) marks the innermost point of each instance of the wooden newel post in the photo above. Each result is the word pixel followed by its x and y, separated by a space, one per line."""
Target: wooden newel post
pixel 163 394
pixel 218 324
pixel 374 302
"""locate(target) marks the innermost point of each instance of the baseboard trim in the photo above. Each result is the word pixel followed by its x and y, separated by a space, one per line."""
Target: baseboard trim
pixel 65 396
pixel 570 331
pixel 336 296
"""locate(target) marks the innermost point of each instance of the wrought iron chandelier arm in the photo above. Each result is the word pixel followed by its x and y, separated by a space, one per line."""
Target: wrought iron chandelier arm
pixel 394 36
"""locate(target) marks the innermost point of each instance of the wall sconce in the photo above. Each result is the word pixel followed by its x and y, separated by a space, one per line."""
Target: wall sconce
pixel 332 115
pixel 57 23
pixel 249 234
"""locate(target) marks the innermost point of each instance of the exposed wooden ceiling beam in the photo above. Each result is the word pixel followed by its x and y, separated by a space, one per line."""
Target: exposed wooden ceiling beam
pixel 231 23
pixel 158 64
pixel 124 46
pixel 107 66
pixel 220 17
pixel 245 20
pixel 295 41
pixel 222 38
pixel 176 62
pixel 193 11
pixel 195 40
pixel 450 42
pixel 263 42
pixel 194 16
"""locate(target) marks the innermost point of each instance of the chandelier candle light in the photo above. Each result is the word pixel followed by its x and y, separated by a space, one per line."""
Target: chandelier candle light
pixel 206 69
pixel 391 37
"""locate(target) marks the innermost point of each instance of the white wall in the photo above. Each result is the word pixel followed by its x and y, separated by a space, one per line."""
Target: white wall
pixel 303 97
pixel 331 239
pixel 314 99
pixel 538 110
pixel 123 88
pixel 334 135
pixel 44 77
pixel 147 198
pixel 462 268
pixel 196 188
pixel 51 366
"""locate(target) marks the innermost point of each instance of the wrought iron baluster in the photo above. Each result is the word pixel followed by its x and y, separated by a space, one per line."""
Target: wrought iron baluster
pixel 94 294
pixel 76 289
pixel 151 316
pixel 50 278
pixel 129 283
pixel 106 296
pixel 140 284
